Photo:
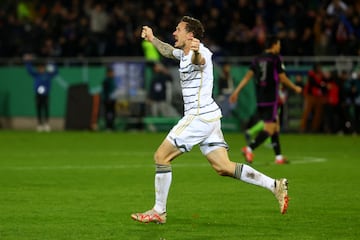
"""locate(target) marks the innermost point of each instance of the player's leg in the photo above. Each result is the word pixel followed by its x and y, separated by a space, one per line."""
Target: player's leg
pixel 275 140
pixel 45 107
pixel 307 109
pixel 221 163
pixel 39 112
pixel 267 115
pixel 219 160
pixel 253 131
pixel 318 114
pixel 163 177
pixel 109 114
pixel 215 149
pixel 177 141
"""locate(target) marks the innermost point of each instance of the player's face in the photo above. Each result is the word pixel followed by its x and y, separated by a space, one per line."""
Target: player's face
pixel 277 47
pixel 41 68
pixel 181 35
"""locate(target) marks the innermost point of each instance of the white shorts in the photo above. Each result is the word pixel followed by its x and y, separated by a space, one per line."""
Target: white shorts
pixel 192 130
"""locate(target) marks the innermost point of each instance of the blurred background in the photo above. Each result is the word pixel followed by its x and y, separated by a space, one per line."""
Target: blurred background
pixel 83 39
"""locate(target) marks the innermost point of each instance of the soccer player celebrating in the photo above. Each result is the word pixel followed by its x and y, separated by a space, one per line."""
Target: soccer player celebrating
pixel 268 72
pixel 200 124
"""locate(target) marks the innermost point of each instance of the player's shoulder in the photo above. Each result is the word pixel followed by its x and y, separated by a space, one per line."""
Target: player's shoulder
pixel 261 57
pixel 204 50
pixel 177 53
pixel 278 56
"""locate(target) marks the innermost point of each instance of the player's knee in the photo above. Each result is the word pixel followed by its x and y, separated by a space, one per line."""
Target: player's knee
pixel 157 158
pixel 160 158
pixel 222 171
pixel 270 131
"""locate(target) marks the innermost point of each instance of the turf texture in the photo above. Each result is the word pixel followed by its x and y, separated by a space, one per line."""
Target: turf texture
pixel 85 185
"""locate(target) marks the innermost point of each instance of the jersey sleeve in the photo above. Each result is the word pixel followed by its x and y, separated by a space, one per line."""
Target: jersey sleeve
pixel 205 53
pixel 30 68
pixel 177 53
pixel 253 65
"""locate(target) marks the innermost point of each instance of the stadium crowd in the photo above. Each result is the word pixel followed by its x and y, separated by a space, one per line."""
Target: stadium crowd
pixel 93 28
pixel 72 28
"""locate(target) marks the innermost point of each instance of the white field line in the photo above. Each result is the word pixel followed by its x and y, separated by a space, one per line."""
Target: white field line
pixel 306 160
pixel 103 154
pixel 298 160
pixel 72 167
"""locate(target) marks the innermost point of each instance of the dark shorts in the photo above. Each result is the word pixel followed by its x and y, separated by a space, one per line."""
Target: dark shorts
pixel 268 113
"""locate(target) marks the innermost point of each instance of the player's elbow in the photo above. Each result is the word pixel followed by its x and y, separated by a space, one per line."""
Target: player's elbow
pixel 283 78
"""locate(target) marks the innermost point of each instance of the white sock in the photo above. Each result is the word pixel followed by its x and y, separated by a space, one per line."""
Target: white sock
pixel 162 186
pixel 252 176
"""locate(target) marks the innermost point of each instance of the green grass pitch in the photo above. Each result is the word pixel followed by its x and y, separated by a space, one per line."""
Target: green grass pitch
pixel 83 185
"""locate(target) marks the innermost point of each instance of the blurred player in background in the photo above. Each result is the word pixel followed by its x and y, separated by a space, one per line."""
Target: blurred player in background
pixel 258 126
pixel 108 99
pixel 268 72
pixel 200 124
pixel 315 93
pixel 158 91
pixel 42 76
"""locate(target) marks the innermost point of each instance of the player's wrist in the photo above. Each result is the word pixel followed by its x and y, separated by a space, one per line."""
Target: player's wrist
pixel 152 38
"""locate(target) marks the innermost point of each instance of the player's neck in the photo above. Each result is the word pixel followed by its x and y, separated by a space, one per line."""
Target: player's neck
pixel 186 50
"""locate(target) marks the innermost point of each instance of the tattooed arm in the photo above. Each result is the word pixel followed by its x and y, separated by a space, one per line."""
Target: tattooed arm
pixel 165 49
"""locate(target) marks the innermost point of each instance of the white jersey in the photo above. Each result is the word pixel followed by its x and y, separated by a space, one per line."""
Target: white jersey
pixel 197 85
